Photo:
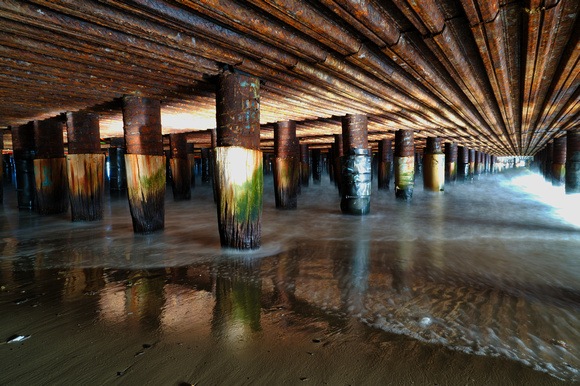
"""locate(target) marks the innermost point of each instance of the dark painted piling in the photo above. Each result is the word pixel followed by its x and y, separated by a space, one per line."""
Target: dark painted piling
pixel 117 168
pixel 385 163
pixel 404 164
pixel 559 162
pixel 356 166
pixel 85 167
pixel 205 168
pixel 471 172
pixel 477 164
pixel 191 160
pixel 316 166
pixel 286 165
pixel 450 162
pixel 145 163
pixel 50 166
pixel 238 161
pixel 1 167
pixel 24 154
pixel 434 166
pixel 304 164
pixel 180 167
pixel 337 153
pixel 462 163
pixel 573 161
pixel 549 160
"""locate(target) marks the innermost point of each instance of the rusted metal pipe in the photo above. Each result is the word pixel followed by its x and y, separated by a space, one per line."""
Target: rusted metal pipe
pixel 404 164
pixel 450 162
pixel 286 165
pixel 462 163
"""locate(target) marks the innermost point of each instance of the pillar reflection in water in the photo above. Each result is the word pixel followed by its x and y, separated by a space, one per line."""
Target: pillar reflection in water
pixel 238 290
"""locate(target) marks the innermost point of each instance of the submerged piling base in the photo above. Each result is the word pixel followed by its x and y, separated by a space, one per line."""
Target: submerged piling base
pixel 286 182
pixel 181 182
pixel 434 172
pixel 356 183
pixel 146 191
pixel 239 184
pixel 51 185
pixel 86 186
pixel 404 177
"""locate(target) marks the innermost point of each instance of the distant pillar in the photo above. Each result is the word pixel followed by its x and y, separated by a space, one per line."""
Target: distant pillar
pixel 238 161
pixel 385 163
pixel 316 166
pixel 50 166
pixel 85 167
pixel 286 165
pixel 491 164
pixel 191 159
pixel 471 171
pixel 205 160
pixel 23 152
pixel 433 166
pixel 118 172
pixel 462 163
pixel 356 166
pixel 477 164
pixel 304 164
pixel 338 152
pixel 559 162
pixel 573 161
pixel 145 163
pixel 549 160
pixel 1 167
pixel 450 162
pixel 404 164
pixel 180 167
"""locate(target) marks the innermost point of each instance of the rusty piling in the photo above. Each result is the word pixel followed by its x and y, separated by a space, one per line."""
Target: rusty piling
pixel 23 152
pixel 286 165
pixel 238 161
pixel 559 162
pixel 50 166
pixel 471 172
pixel 462 163
pixel 355 166
pixel 404 164
pixel 180 167
pixel 434 166
pixel 304 164
pixel 118 170
pixel 145 163
pixel 385 163
pixel 573 161
pixel 549 160
pixel 85 167
pixel 337 153
pixel 450 162
pixel 316 166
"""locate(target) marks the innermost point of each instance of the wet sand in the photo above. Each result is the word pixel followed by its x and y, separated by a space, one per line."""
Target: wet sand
pixel 103 306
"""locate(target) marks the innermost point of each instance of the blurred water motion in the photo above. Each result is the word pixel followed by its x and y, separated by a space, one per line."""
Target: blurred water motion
pixel 489 268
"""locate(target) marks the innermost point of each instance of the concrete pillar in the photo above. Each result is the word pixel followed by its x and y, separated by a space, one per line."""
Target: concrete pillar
pixel 238 161
pixel 85 167
pixel 286 165
pixel 573 161
pixel 433 166
pixel 50 166
pixel 337 152
pixel 385 163
pixel 356 166
pixel 304 164
pixel 23 151
pixel 404 164
pixel 450 162
pixel 117 169
pixel 471 172
pixel 180 167
pixel 316 166
pixel 145 163
pixel 559 161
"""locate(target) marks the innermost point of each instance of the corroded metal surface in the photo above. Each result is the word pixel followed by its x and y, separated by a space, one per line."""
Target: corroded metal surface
pixel 83 133
pixel 48 138
pixel 285 140
pixel 354 133
pixel 142 125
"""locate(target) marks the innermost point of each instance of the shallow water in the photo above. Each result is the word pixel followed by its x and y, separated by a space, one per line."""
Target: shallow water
pixel 490 268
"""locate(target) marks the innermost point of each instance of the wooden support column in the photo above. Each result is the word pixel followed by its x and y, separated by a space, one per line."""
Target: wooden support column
pixel 286 165
pixel 316 166
pixel 462 163
pixel 356 166
pixel 85 165
pixel 471 171
pixel 180 167
pixel 238 161
pixel 450 162
pixel 23 152
pixel 191 160
pixel 304 164
pixel 559 162
pixel 117 169
pixel 573 161
pixel 434 166
pixel 50 166
pixel 385 163
pixel 337 152
pixel 145 163
pixel 404 164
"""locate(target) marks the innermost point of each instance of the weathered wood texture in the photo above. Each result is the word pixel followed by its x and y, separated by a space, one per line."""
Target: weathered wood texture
pixel 146 191
pixel 286 182
pixel 51 185
pixel 239 186
pixel 181 181
pixel 86 186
